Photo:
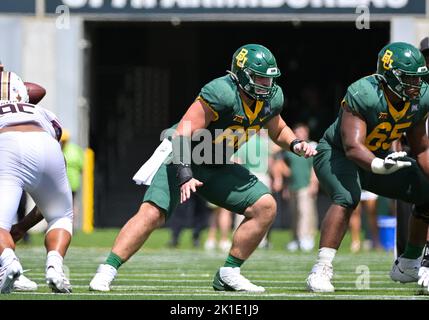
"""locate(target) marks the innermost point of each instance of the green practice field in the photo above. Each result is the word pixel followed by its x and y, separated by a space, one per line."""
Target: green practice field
pixel 158 272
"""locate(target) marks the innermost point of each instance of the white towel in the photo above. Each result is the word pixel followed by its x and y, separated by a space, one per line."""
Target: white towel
pixel 151 166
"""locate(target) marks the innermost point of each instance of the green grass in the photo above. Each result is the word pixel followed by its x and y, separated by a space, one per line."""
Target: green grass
pixel 157 272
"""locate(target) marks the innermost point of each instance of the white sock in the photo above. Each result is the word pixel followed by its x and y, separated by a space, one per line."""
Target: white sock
pixel 7 256
pixel 55 260
pixel 326 255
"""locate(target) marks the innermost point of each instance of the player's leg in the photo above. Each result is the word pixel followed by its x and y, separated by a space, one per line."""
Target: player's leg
pixel 137 230
pixel 403 214
pixel 251 231
pixel 339 177
pixel 199 219
pixel 234 188
pixel 355 228
pixel 52 194
pixel 371 209
pixel 10 268
pixel 225 223
pixel 159 201
pixel 410 185
pixel 293 245
pixel 306 223
pixel 10 193
pixel 211 241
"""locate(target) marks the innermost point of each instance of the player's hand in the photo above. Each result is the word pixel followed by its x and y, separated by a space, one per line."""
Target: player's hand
pixel 304 149
pixel 17 232
pixel 187 188
pixel 424 277
pixel 390 164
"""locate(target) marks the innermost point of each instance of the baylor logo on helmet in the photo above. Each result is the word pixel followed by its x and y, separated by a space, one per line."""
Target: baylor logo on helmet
pixel 241 58
pixel 387 60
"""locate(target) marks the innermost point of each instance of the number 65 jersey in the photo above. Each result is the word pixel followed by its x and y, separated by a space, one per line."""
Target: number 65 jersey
pixel 385 124
pixel 15 113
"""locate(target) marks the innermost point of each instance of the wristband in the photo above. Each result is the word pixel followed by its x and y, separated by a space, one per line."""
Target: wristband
pixel 293 143
pixel 184 173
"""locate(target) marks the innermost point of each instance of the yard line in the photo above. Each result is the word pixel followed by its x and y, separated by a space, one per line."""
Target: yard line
pixel 208 288
pixel 238 294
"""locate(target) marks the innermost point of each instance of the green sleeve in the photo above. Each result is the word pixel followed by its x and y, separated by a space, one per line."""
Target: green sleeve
pixel 218 95
pixel 361 96
pixel 277 102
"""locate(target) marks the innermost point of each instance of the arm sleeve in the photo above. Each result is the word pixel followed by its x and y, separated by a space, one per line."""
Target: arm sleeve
pixel 353 99
pixel 217 96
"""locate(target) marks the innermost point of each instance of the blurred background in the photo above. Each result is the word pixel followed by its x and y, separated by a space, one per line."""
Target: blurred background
pixel 118 72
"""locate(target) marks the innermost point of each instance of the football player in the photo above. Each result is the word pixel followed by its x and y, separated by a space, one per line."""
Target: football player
pixel 245 100
pixel 424 269
pixel 32 161
pixel 354 155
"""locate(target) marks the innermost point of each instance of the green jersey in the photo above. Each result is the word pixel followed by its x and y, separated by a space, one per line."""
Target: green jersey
pixel 235 122
pixel 74 156
pixel 384 123
pixel 300 169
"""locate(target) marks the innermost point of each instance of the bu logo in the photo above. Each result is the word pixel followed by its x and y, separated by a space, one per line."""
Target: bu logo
pixel 241 58
pixel 238 118
pixel 387 60
pixel 382 115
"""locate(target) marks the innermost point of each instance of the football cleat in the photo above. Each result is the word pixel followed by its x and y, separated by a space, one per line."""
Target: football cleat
pixel 57 280
pixel 424 268
pixel 24 284
pixel 319 279
pixel 8 275
pixel 423 277
pixel 405 270
pixel 230 279
pixel 103 278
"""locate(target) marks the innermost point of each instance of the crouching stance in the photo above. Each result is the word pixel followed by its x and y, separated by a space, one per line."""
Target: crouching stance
pixel 32 160
pixel 234 105
pixel 354 154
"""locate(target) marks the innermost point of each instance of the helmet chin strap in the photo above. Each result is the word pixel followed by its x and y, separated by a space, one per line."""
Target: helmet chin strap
pixel 383 78
pixel 234 76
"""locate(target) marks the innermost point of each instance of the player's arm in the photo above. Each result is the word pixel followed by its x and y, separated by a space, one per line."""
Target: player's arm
pixel 419 145
pixel 353 134
pixel 19 229
pixel 282 135
pixel 197 117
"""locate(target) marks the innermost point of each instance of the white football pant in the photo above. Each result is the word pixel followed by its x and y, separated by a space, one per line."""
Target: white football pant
pixel 34 162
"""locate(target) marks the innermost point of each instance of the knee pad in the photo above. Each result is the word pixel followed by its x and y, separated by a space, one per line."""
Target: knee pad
pixel 421 212
pixel 65 223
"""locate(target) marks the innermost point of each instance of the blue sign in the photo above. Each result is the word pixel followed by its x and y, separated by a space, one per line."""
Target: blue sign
pixel 15 6
pixel 326 7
